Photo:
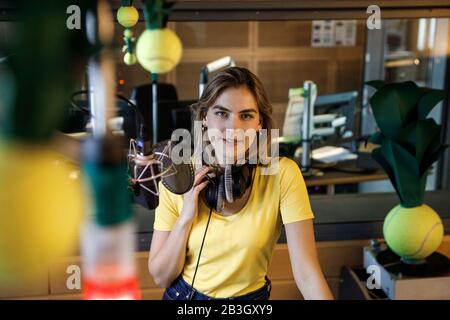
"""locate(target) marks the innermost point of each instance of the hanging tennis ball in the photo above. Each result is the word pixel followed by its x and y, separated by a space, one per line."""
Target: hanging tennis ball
pixel 158 50
pixel 127 16
pixel 129 59
pixel 41 207
pixel 413 233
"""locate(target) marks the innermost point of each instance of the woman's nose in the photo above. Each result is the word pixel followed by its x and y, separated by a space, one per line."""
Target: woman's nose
pixel 234 122
pixel 234 133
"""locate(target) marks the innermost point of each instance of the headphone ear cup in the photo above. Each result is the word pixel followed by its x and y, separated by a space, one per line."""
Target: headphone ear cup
pixel 211 195
pixel 228 183
pixel 229 186
pixel 220 196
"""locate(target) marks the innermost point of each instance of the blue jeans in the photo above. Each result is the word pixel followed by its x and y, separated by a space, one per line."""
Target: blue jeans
pixel 180 290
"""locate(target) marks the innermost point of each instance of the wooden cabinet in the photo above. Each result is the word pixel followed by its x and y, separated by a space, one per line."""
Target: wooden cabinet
pixel 333 255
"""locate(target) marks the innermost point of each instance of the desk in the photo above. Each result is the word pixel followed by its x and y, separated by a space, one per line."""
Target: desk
pixel 331 178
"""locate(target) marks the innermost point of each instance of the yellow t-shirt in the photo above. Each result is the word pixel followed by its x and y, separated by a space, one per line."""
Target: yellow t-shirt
pixel 238 248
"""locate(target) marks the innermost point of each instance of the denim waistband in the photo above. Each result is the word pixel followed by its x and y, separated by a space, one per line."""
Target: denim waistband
pixel 183 290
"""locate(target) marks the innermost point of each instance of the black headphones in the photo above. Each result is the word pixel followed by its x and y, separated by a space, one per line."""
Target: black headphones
pixel 228 184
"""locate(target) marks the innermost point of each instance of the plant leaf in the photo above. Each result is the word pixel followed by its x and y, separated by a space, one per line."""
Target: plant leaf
pixel 432 157
pixel 394 107
pixel 428 135
pixel 378 156
pixel 377 84
pixel 407 138
pixel 419 138
pixel 406 172
pixel 376 138
pixel 428 101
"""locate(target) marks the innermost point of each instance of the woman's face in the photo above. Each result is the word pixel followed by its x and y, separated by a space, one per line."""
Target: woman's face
pixel 232 121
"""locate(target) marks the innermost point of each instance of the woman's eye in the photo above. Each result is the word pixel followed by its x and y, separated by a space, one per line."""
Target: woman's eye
pixel 221 114
pixel 247 116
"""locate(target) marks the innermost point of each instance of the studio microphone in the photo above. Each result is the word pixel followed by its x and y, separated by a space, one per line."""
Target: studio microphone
pixel 150 163
pixel 148 168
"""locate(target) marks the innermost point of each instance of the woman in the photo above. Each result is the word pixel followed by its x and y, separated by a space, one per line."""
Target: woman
pixel 232 258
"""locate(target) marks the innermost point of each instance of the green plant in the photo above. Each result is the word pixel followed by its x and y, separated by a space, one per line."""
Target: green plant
pixel 409 141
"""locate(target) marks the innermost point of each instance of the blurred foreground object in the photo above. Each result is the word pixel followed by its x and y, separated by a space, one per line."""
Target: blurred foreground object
pixel 108 233
pixel 41 207
pixel 41 195
pixel 128 16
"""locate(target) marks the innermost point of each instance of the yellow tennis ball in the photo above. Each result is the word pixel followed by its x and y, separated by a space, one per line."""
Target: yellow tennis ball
pixel 127 16
pixel 413 233
pixel 158 50
pixel 41 207
pixel 129 59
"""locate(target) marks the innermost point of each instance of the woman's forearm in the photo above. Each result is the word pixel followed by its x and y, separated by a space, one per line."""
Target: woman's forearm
pixel 314 287
pixel 168 262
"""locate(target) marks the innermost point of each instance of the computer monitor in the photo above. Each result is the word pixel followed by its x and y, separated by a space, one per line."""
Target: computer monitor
pixel 344 104
pixel 78 116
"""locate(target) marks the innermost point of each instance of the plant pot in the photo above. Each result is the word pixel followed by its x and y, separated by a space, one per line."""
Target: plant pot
pixel 413 233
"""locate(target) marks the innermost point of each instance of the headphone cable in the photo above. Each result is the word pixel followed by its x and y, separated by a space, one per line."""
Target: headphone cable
pixel 191 294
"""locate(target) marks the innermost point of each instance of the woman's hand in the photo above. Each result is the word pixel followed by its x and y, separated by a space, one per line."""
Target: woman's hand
pixel 190 203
